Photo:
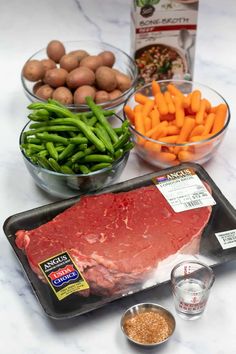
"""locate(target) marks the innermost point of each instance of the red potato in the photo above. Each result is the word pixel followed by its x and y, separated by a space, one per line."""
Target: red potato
pixel 55 50
pixel 79 77
pixel 106 79
pixel 79 54
pixel 115 94
pixel 108 58
pixel 82 92
pixel 92 62
pixel 123 81
pixel 45 92
pixel 56 77
pixel 48 64
pixel 37 86
pixel 63 95
pixel 102 96
pixel 33 70
pixel 68 62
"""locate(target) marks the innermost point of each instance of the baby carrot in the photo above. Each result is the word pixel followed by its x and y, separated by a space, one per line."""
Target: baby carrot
pixel 154 147
pixel 209 123
pixel 156 129
pixel 155 88
pixel 195 100
pixel 179 115
pixel 174 91
pixel 198 130
pixel 185 131
pixel 166 156
pixel 138 108
pixel 184 156
pixel 155 117
pixel 220 116
pixel 161 103
pixel 147 107
pixel 187 101
pixel 172 130
pixel 169 101
pixel 200 137
pixel 129 112
pixel 207 105
pixel 200 112
pixel 140 98
pixel 169 139
pixel 139 125
pixel 147 124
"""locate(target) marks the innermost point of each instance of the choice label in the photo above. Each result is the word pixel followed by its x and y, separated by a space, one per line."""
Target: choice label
pixel 62 275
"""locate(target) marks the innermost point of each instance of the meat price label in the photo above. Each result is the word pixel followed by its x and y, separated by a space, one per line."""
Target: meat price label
pixel 62 275
pixel 184 190
pixel 227 239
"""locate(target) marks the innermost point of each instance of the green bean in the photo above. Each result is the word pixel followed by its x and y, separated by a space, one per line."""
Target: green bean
pixel 128 146
pixel 82 146
pixel 54 165
pixel 67 170
pixel 98 158
pixel 125 125
pixel 67 152
pixel 106 112
pixel 101 118
pixel 43 162
pixel 52 108
pixel 55 102
pixel 40 115
pixel 38 125
pixel 60 148
pixel 118 131
pixel 100 166
pixel 84 118
pixel 78 140
pixel 107 142
pixel 92 121
pixel 35 147
pixel 77 156
pixel 43 153
pixel 84 169
pixel 52 137
pixel 58 128
pixel 33 140
pixel 122 140
pixel 118 154
pixel 51 149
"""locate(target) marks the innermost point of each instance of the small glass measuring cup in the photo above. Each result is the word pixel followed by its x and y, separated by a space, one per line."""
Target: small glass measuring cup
pixel 191 282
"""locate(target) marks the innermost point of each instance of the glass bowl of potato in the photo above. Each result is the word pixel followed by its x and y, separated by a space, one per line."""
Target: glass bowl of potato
pixel 70 71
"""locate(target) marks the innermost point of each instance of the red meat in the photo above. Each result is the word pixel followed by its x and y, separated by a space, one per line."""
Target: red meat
pixel 116 240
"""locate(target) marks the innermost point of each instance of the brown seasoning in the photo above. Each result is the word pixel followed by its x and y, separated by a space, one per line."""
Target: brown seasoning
pixel 148 327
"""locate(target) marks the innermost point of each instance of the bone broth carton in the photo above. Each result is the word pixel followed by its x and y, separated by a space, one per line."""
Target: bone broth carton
pixel 163 38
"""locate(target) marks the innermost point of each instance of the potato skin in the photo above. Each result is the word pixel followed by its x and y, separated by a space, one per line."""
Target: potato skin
pixel 82 92
pixel 115 94
pixel 123 81
pixel 92 62
pixel 102 96
pixel 45 92
pixel 108 58
pixel 33 70
pixel 106 79
pixel 79 77
pixel 37 85
pixel 56 77
pixel 55 50
pixel 48 64
pixel 63 95
pixel 68 62
pixel 79 54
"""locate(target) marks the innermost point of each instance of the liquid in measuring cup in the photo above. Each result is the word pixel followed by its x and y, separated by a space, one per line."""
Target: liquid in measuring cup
pixel 190 298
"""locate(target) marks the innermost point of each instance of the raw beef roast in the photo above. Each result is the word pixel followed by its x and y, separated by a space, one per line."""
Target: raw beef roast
pixel 116 240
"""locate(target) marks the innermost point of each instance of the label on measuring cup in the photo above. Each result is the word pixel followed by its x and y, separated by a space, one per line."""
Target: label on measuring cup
pixel 227 239
pixel 184 190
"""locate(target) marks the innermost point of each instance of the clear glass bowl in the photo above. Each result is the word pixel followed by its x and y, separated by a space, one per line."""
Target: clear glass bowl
pixel 199 151
pixel 67 185
pixel 123 63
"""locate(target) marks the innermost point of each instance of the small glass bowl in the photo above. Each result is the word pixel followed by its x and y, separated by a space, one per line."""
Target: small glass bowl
pixel 67 185
pixel 150 307
pixel 199 152
pixel 123 63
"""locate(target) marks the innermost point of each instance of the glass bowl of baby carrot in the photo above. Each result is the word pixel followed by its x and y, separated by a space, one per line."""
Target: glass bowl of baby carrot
pixel 176 121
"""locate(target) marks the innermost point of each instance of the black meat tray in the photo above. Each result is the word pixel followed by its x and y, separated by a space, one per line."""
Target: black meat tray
pixel 223 218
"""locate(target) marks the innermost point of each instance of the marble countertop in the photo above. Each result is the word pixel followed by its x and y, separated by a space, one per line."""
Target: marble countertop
pixel 26 26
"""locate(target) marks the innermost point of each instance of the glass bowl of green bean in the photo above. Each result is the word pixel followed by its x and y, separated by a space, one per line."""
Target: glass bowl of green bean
pixel 69 154
pixel 66 71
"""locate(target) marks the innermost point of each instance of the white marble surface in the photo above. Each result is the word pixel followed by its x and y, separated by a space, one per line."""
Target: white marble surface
pixel 26 26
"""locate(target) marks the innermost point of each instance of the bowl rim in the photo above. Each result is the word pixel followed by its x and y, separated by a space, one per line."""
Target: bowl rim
pixel 125 156
pixel 195 143
pixel 106 105
pixel 143 304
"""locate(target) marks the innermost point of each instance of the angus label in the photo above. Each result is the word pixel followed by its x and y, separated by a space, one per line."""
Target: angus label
pixel 62 275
